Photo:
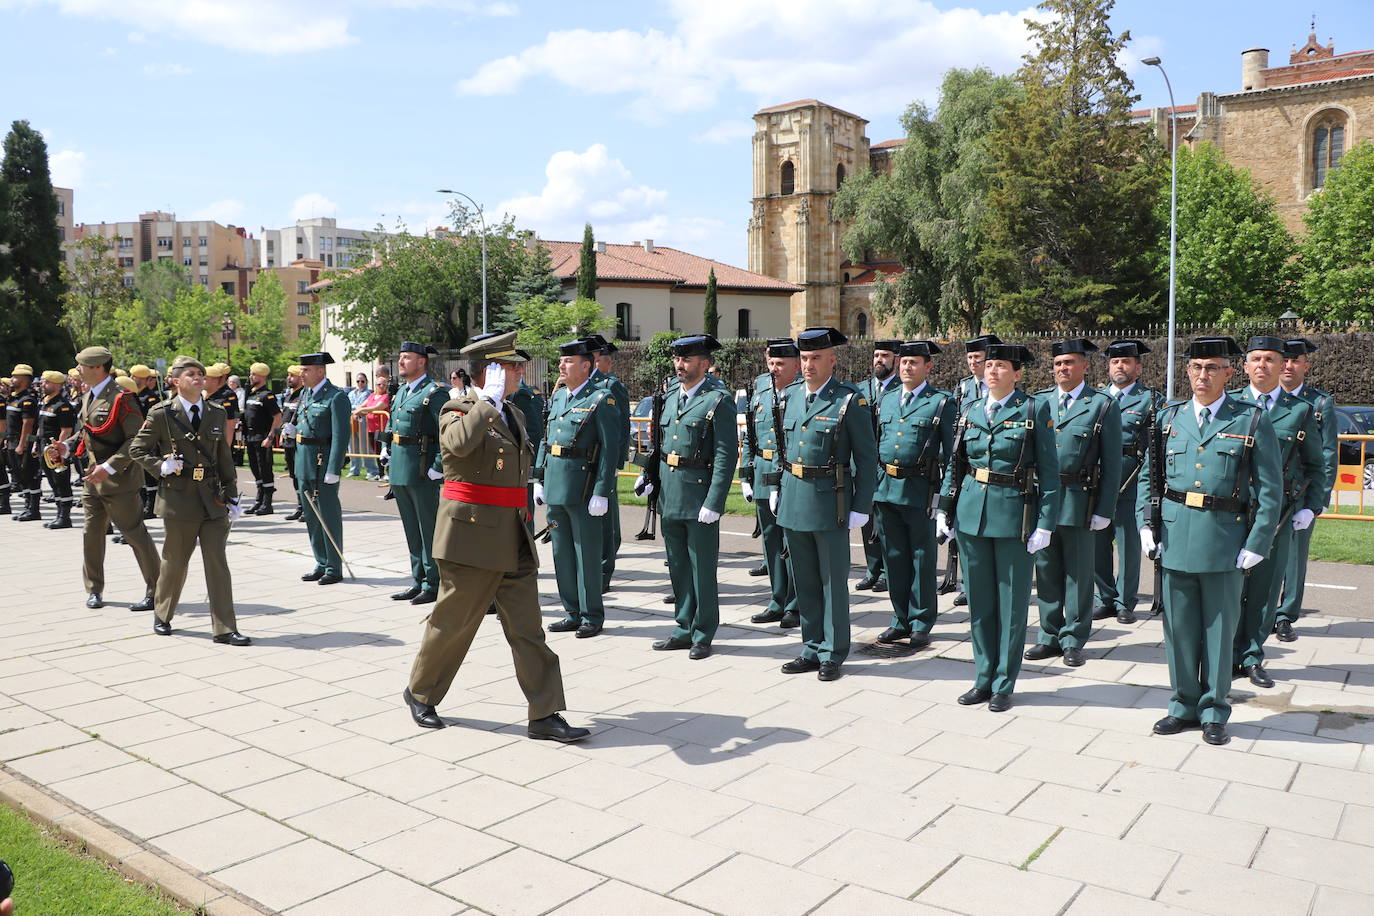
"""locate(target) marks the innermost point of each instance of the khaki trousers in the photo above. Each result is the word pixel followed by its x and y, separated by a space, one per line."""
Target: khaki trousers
pixel 178 543
pixel 125 510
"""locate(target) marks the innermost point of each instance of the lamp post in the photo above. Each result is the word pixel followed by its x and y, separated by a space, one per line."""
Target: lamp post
pixel 227 324
pixel 1173 224
pixel 481 219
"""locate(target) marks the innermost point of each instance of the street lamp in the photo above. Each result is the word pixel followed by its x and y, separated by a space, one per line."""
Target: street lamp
pixel 483 221
pixel 1173 223
pixel 228 326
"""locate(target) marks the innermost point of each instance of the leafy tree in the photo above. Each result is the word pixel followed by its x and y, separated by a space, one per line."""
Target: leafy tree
pixel 930 211
pixel 586 266
pixel 260 321
pixel 1071 215
pixel 544 325
pixel 93 289
pixel 1338 253
pixel 31 283
pixel 1234 253
pixel 710 316
pixel 192 321
pixel 537 280
pixel 133 337
pixel 656 363
pixel 158 283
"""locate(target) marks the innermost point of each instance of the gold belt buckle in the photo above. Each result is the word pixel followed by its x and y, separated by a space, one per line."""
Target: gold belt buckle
pixel 198 474
pixel 556 450
pixel 1196 500
pixel 891 469
pixel 672 459
pixel 798 469
pixel 300 437
pixel 767 454
pixel 981 475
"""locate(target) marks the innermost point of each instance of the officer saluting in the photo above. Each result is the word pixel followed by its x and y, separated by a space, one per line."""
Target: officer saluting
pixel 56 420
pixel 760 475
pixel 915 438
pixel 262 415
pixel 827 429
pixel 1210 496
pixel 883 383
pixel 321 434
pixel 416 468
pixel 485 552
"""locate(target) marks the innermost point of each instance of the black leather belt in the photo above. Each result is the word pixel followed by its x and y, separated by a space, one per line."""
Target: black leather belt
pixel 398 439
pixel 313 440
pixel 674 460
pixel 770 479
pixel 808 472
pixel 568 451
pixel 1078 477
pixel 997 479
pixel 899 472
pixel 1207 501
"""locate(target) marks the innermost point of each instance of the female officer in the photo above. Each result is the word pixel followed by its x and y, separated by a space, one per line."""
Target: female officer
pixel 1000 500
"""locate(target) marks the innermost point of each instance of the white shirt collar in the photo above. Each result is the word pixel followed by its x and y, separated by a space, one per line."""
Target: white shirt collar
pixel 186 405
pixel 817 390
pixel 1003 401
pixel 416 384
pixel 316 389
pixel 1257 394
pixel 1298 390
pixel 1073 393
pixel 688 392
pixel 1213 407
pixel 100 386
pixel 1114 391
pixel 915 391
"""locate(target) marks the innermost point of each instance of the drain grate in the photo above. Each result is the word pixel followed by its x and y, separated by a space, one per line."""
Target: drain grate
pixel 878 650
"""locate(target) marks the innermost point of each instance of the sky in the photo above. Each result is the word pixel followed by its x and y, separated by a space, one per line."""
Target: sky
pixel 634 116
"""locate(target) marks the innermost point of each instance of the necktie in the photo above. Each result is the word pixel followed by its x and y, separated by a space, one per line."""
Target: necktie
pixel 1266 401
pixel 1064 403
pixel 1119 396
pixel 810 399
pixel 906 398
pixel 195 417
pixel 990 409
pixel 1204 416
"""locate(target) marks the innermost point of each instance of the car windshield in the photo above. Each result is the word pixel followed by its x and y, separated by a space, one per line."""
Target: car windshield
pixel 1363 418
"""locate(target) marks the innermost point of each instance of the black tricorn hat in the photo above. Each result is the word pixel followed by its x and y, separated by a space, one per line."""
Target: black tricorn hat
pixel 315 359
pixel 782 346
pixel 583 346
pixel 1016 354
pixel 1299 346
pixel 926 348
pixel 694 345
pixel 1134 348
pixel 410 346
pixel 1267 342
pixel 1213 348
pixel 1073 345
pixel 981 343
pixel 820 338
pixel 892 346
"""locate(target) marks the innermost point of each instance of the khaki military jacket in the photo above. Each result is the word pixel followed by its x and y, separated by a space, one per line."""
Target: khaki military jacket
pixel 207 482
pixel 112 446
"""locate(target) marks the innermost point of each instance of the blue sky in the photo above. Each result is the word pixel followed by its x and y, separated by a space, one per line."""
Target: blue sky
pixel 635 116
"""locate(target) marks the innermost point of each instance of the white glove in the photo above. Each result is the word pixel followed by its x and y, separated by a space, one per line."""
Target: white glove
pixel 857 520
pixel 170 465
pixel 1097 523
pixel 494 388
pixel 642 486
pixel 385 453
pixel 707 517
pixel 331 478
pixel 773 502
pixel 235 510
pixel 538 494
pixel 1302 519
pixel 747 489
pixel 433 474
pixel 1147 539
pixel 1038 541
pixel 942 528
pixel 597 506
pixel 288 430
pixel 1248 559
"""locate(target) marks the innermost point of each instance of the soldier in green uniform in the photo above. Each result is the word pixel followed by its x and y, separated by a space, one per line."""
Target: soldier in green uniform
pixel 1118 546
pixel 530 403
pixel 827 429
pixel 262 416
pixel 484 551
pixel 1297 362
pixel 148 397
pixel 56 420
pixel 1087 436
pixel 970 388
pixel 575 476
pixel 109 421
pixel 21 434
pixel 321 434
pixel 1300 456
pixel 883 382
pixel 1001 499
pixel 696 460
pixel 1212 508
pixel 183 442
pixel 760 475
pixel 915 438
pixel 610 531
pixel 417 468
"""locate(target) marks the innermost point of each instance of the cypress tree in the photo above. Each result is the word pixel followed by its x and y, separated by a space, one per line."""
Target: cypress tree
pixel 710 318
pixel 586 268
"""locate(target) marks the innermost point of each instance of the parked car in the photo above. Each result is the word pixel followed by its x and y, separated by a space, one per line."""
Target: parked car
pixel 1356 458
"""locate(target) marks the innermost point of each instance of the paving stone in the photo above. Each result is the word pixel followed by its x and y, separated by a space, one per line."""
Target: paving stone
pixel 520 883
pixel 1330 782
pixel 879 863
pixel 412 777
pixel 358 820
pixel 1181 790
pixel 77 760
pixel 1319 817
pixel 779 836
pixel 165 811
pixel 1223 890
pixel 883 812
pixel 597 784
pixel 1328 862
pixel 679 807
pixel 995 837
pixel 976 886
pixel 749 885
pixel 35 739
pixel 1130 868
pixel 1095 812
pixel 237 769
pixel 1076 770
pixel 1092 901
pixel 956 785
pixel 380 893
pixel 617 897
pixel 878 769
pixel 433 850
pixel 1332 901
pixel 1238 766
pixel 294 874
pixel 481 801
pixel 652 858
pixel 227 840
pixel 853 899
pixel 292 794
pixel 116 784
pixel 964 750
pixel 1206 836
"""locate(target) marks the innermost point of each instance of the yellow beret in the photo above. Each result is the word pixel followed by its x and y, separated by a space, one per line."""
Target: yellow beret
pixel 23 369
pixel 117 372
pixel 56 378
pixel 93 356
pixel 128 384
pixel 74 372
pixel 293 369
pixel 216 370
pixel 141 371
pixel 260 369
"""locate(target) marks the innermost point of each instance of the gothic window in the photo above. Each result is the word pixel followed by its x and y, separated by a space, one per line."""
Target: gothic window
pixel 1328 145
pixel 789 182
pixel 839 176
pixel 860 325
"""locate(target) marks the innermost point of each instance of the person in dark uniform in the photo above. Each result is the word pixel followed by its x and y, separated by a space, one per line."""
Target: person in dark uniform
pixel 290 401
pixel 970 388
pixel 56 420
pixel 147 395
pixel 262 417
pixel 610 531
pixel 321 431
pixel 21 439
pixel 883 382
pixel 5 483
pixel 218 391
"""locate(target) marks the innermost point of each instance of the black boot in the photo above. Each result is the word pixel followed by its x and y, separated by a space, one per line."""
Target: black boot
pixel 295 516
pixel 64 515
pixel 5 501
pixel 266 507
pixel 257 503
pixel 148 500
pixel 32 507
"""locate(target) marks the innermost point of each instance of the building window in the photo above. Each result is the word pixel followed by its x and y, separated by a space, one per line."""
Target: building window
pixel 204 241
pixel 624 323
pixel 185 262
pixel 301 285
pixel 271 262
pixel 126 262
pixel 127 281
pixel 204 281
pixel 302 329
pixel 329 260
pixel 204 261
pixel 302 308
pixel 61 207
pixel 271 245
pixel 860 325
pixel 672 321
pixel 745 331
pixel 789 178
pixel 164 241
pixel 839 175
pixel 125 244
pixel 185 241
pixel 326 243
pixel 227 286
pixel 1328 145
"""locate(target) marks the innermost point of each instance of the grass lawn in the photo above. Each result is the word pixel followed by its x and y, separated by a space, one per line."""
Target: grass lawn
pixel 734 503
pixel 54 878
pixel 1344 541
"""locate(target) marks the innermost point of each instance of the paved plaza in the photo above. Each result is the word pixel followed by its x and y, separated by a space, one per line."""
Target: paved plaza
pixel 288 776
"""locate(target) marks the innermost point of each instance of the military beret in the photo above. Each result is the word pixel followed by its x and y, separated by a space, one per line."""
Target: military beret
pixel 293 369
pixel 694 345
pixel 499 347
pixel 981 343
pixel 188 362
pixel 1016 354
pixel 1125 348
pixel 94 356
pixel 23 369
pixel 53 376
pixel 1080 345
pixel 128 384
pixel 316 359
pixel 1213 348
pixel 410 346
pixel 926 348
pixel 1266 342
pixel 1299 346
pixel 216 370
pixel 140 371
pixel 260 369
pixel 820 338
pixel 782 347
pixel 74 372
pixel 117 372
pixel 892 346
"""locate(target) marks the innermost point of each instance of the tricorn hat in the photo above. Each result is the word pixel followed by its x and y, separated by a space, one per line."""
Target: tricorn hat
pixel 926 348
pixel 694 345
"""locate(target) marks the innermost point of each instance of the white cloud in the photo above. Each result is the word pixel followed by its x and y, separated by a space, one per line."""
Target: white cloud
pixel 730 131
pixel 68 168
pixel 163 71
pixel 224 212
pixel 311 205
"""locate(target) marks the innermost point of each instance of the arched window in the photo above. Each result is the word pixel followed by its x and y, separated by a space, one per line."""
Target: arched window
pixel 1328 145
pixel 745 331
pixel 860 325
pixel 789 181
pixel 839 175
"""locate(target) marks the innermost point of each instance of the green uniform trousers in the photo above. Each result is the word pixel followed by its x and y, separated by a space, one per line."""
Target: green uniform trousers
pixel 178 543
pixel 610 538
pixel 1295 576
pixel 998 583
pixel 1259 602
pixel 125 510
pixel 325 497
pixel 419 507
pixel 465 593
pixel 872 535
pixel 909 542
pixel 781 584
pixel 1200 612
pixel 577 544
pixel 820 569
pixel 693 567
pixel 1118 557
pixel 1064 587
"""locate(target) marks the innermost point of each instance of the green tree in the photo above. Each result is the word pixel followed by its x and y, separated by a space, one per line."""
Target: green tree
pixel 586 266
pixel 260 322
pixel 1234 253
pixel 133 337
pixel 158 282
pixel 1337 260
pixel 656 363
pixel 544 325
pixel 537 279
pixel 192 321
pixel 930 210
pixel 1071 214
pixel 710 315
pixel 93 288
pixel 31 283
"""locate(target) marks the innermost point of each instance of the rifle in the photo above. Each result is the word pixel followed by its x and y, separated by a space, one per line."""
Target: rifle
pixel 958 471
pixel 1092 465
pixel 1155 518
pixel 746 471
pixel 650 463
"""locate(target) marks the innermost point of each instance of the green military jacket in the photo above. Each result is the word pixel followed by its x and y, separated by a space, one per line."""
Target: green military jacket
pixel 968 390
pixel 622 403
pixel 836 431
pixel 1020 435
pixel 323 416
pixel 914 442
pixel 1074 441
pixel 1300 450
pixel 1208 462
pixel 699 446
pixel 531 404
pixel 577 456
pixel 759 454
pixel 207 482
pixel 1330 433
pixel 1136 407
pixel 415 416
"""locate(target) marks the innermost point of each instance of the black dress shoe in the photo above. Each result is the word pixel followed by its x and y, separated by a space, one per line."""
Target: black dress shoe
pixel 561 626
pixel 975 696
pixel 330 579
pixel 961 599
pixel 1258 676
pixel 699 651
pixel 999 702
pixel 920 640
pixel 117 539
pixel 1237 672
pixel 407 594
pixel 880 584
pixel 295 516
pixel 830 671
pixel 1073 657
pixel 161 628
pixel 767 617
pixel 1102 612
pixel 670 644
pixel 670 599
pixel 801 666
pixel 1215 733
pixel 605 588
pixel 864 584
pixel 1284 631
pixel 313 576
pixel 892 634
pixel 1040 651
pixel 233 638
pixel 423 713
pixel 492 608
pixel 588 630
pixel 1172 725
pixel 145 605
pixel 93 601
pixel 426 596
pixel 554 728
pixel 760 570
pixel 790 621
pixel 1125 615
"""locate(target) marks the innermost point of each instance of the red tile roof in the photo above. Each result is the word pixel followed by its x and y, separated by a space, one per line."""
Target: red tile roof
pixel 889 144
pixel 1181 110
pixel 629 263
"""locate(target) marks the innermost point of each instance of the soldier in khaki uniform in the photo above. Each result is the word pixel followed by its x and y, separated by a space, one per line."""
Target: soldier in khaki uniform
pixel 484 550
pixel 183 441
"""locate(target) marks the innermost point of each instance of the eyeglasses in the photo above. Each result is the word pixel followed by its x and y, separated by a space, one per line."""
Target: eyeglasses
pixel 1206 368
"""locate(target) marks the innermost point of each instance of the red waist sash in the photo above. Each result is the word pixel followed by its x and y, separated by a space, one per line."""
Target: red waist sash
pixel 484 495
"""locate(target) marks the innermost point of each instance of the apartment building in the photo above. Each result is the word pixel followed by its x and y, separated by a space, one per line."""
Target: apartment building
pixel 201 246
pixel 317 239
pixel 65 227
